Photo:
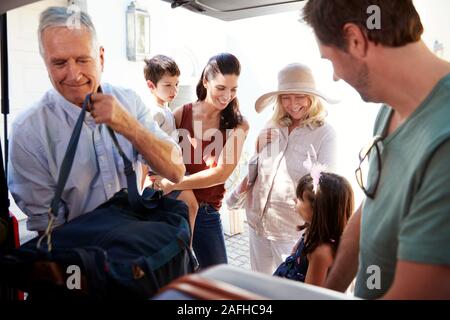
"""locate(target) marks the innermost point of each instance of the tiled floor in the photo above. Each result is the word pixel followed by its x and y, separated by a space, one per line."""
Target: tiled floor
pixel 237 249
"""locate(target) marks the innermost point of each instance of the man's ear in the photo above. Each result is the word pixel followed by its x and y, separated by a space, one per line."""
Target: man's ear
pixel 151 85
pixel 102 57
pixel 357 42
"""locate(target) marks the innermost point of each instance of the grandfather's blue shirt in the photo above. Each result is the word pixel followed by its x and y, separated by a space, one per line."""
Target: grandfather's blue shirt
pixel 38 142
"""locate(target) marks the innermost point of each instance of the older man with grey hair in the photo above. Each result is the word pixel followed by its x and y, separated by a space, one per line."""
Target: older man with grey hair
pixel 39 137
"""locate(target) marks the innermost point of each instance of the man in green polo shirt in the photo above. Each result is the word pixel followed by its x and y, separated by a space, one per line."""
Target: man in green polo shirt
pixel 398 242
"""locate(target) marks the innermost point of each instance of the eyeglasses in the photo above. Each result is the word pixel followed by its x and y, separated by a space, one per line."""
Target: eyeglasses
pixel 361 177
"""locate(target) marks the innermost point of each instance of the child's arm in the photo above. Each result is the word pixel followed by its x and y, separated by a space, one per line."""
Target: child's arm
pixel 319 262
pixel 189 198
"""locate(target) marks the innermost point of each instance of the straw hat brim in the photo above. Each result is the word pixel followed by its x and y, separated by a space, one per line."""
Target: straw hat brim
pixel 269 98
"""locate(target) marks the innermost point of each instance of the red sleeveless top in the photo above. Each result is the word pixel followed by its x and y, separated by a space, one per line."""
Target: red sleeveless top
pixel 198 157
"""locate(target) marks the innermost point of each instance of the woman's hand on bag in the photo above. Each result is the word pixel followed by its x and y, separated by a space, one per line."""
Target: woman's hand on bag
pixel 167 186
pixel 160 183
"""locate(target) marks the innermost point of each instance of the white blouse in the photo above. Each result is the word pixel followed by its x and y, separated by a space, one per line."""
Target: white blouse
pixel 270 205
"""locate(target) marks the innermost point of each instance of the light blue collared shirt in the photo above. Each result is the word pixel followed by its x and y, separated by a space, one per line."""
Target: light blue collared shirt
pixel 38 142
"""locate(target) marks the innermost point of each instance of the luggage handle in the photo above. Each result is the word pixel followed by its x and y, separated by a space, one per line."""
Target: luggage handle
pixel 200 287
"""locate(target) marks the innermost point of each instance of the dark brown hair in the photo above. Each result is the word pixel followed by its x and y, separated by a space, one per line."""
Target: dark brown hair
pixel 156 67
pixel 223 63
pixel 400 22
pixel 332 206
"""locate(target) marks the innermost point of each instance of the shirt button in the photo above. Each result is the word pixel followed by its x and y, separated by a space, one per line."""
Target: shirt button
pixel 109 186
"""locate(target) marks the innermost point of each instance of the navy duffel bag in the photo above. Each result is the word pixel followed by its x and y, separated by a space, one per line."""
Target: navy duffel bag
pixel 128 247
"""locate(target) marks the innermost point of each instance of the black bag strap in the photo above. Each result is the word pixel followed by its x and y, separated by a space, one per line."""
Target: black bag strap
pixel 133 194
pixel 66 165
pixel 64 172
pixel 136 202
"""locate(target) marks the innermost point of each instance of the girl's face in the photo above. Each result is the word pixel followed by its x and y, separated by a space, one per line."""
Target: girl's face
pixel 221 90
pixel 304 208
pixel 296 105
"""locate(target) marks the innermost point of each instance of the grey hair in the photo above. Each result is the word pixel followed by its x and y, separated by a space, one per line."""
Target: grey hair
pixel 62 17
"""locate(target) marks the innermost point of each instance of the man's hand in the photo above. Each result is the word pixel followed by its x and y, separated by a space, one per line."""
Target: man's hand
pixel 108 110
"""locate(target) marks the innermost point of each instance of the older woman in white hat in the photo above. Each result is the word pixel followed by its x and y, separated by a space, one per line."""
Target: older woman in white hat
pixel 297 127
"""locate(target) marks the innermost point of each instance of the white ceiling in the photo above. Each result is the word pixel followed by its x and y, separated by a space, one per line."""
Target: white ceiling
pixel 237 9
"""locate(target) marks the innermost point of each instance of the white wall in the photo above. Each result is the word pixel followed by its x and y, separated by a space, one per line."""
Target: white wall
pixel 189 38
pixel 435 18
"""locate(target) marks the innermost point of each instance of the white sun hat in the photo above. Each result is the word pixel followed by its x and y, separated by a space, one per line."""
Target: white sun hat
pixel 295 78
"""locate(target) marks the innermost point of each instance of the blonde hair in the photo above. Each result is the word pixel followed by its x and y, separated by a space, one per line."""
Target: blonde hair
pixel 316 114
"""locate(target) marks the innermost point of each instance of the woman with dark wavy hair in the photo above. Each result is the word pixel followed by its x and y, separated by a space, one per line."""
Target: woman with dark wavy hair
pixel 212 133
